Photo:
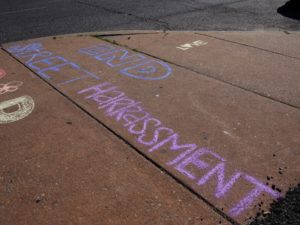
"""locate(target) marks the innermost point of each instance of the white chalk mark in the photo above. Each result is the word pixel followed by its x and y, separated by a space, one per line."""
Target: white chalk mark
pixel 187 46
pixel 227 133
pixel 25 107
pixel 2 73
pixel 182 48
pixel 199 43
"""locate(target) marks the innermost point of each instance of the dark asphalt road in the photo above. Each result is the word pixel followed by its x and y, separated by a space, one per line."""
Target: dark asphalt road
pixel 284 212
pixel 21 19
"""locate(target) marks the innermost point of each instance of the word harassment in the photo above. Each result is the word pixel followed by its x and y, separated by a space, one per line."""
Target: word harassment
pixel 140 123
pixel 147 130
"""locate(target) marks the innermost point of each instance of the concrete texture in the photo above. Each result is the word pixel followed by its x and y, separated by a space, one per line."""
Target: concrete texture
pixel 236 62
pixel 284 43
pixel 243 132
pixel 60 166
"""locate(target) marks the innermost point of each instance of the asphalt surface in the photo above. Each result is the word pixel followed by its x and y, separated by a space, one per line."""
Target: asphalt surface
pixel 284 212
pixel 36 18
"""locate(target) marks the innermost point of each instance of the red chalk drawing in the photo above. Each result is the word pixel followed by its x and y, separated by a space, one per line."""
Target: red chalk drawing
pixel 10 87
pixel 2 73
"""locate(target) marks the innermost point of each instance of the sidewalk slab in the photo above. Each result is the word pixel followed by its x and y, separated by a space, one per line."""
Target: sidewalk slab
pixel 60 166
pixel 269 74
pixel 237 150
pixel 286 43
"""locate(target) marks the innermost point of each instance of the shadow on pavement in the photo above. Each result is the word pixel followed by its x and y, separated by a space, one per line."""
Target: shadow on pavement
pixel 286 211
pixel 291 9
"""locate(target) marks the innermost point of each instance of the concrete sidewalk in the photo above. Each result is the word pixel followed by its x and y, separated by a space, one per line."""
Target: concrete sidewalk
pixel 157 128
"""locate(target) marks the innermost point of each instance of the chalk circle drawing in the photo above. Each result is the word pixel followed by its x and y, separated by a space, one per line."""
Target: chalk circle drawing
pixel 148 71
pixel 2 73
pixel 133 65
pixel 25 106
pixel 10 87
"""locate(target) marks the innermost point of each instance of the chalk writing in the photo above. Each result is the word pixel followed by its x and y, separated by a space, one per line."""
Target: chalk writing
pixel 2 73
pixel 10 87
pixel 46 64
pixel 147 130
pixel 188 46
pixel 150 132
pixel 137 66
pixel 25 106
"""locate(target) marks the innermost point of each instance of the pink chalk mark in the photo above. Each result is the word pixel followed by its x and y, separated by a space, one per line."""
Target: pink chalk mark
pixel 2 73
